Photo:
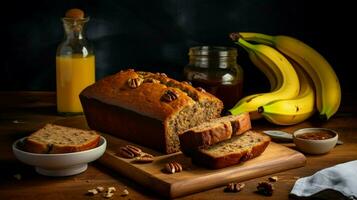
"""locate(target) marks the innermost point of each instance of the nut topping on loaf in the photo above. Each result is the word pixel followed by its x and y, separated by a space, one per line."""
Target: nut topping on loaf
pixel 135 82
pixel 201 89
pixel 151 80
pixel 169 95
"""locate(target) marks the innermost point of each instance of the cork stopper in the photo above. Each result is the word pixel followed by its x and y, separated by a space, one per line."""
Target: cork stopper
pixel 75 13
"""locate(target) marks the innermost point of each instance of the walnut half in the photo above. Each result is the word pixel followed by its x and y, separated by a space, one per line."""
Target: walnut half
pixel 169 95
pixel 173 167
pixel 265 188
pixel 135 82
pixel 234 187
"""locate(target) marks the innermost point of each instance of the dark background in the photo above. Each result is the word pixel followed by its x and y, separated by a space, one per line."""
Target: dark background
pixel 156 35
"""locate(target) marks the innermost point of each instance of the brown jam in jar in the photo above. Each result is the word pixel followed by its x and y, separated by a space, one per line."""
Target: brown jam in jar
pixel 318 135
pixel 216 70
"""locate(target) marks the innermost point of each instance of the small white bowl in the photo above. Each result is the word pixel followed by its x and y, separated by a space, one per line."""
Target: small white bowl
pixel 315 146
pixel 64 164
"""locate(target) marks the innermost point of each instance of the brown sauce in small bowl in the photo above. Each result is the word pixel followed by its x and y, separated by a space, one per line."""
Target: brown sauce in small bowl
pixel 318 135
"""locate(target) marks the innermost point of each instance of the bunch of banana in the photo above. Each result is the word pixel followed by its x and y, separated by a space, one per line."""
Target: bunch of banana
pixel 307 62
pixel 287 84
pixel 295 110
pixel 327 86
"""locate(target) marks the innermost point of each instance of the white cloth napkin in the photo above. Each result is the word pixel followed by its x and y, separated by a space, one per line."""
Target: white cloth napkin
pixel 341 178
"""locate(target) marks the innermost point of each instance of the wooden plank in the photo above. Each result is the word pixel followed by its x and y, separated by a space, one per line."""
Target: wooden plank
pixel 276 158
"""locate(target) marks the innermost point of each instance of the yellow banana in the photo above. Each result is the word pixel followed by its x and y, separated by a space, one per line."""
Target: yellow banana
pixel 252 114
pixel 327 86
pixel 269 69
pixel 290 83
pixel 296 110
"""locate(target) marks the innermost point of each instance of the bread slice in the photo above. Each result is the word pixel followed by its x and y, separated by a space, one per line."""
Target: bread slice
pixel 53 139
pixel 214 131
pixel 233 151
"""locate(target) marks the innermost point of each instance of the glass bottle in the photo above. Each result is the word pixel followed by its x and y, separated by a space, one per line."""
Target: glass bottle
pixel 216 70
pixel 75 63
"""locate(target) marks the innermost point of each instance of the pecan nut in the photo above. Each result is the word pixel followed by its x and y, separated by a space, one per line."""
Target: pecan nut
pixel 130 151
pixel 273 179
pixel 161 74
pixel 125 193
pixel 173 167
pixel 187 82
pixel 141 73
pixel 111 189
pixel 145 158
pixel 100 188
pixel 135 82
pixel 126 153
pixel 151 80
pixel 92 192
pixel 108 195
pixel 169 95
pixel 135 150
pixel 265 188
pixel 200 89
pixel 234 187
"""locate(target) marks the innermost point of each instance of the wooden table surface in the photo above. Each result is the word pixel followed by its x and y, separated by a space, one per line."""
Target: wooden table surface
pixel 23 112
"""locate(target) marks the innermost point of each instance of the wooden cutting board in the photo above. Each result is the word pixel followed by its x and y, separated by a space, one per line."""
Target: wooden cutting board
pixel 193 178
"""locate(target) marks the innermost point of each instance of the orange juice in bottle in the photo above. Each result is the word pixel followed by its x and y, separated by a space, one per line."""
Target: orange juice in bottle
pixel 75 63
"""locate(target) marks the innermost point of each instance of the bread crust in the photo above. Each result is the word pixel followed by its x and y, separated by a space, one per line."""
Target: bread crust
pixel 125 124
pixel 243 123
pixel 145 99
pixel 199 157
pixel 35 146
pixel 220 129
pixel 193 138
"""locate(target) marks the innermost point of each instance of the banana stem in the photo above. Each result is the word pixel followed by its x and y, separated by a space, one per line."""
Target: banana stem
pixel 235 36
pixel 257 37
pixel 240 41
pixel 245 44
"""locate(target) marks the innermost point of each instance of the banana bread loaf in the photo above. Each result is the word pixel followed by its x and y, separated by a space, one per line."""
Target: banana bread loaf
pixel 233 151
pixel 214 131
pixel 59 139
pixel 147 108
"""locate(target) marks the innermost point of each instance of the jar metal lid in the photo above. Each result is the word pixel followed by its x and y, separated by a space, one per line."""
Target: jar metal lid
pixel 213 51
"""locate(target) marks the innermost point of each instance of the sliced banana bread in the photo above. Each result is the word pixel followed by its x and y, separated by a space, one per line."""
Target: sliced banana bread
pixel 214 131
pixel 146 108
pixel 240 123
pixel 233 151
pixel 59 139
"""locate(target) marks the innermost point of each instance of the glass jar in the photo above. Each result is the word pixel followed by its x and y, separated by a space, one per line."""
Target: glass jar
pixel 216 70
pixel 75 65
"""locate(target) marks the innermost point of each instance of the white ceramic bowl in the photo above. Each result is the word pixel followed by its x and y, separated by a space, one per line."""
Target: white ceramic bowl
pixel 64 164
pixel 315 146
